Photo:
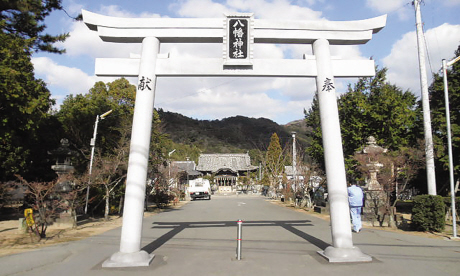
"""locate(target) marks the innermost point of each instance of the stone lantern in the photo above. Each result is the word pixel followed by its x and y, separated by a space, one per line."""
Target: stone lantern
pixel 63 166
pixel 374 196
pixel 374 166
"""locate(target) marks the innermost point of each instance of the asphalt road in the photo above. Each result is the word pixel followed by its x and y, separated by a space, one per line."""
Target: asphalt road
pixel 200 239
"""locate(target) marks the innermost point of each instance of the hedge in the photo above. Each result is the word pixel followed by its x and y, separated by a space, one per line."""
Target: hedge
pixel 428 213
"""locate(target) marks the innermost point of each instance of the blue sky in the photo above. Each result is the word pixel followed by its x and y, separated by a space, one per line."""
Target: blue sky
pixel 279 99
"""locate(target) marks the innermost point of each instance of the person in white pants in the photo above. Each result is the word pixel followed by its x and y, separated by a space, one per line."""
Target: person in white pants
pixel 355 199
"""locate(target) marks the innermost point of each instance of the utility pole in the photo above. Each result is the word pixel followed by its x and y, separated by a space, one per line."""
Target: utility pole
pixel 429 152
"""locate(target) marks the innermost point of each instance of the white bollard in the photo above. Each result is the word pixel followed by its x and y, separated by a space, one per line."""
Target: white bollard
pixel 239 239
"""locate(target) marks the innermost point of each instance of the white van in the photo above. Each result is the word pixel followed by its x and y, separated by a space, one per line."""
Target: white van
pixel 199 188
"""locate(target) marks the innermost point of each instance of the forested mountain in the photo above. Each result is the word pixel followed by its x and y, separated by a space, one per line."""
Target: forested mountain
pixel 233 134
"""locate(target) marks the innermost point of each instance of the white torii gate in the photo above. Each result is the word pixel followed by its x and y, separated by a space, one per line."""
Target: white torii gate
pixel 237 32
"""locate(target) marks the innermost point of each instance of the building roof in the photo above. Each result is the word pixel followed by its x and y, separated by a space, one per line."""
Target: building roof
pixel 185 166
pixel 230 161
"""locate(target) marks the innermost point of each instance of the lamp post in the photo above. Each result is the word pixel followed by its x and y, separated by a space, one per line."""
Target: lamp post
pixel 445 64
pixel 93 144
pixel 169 167
pixel 294 166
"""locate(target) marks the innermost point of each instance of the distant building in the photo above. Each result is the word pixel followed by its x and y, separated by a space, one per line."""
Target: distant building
pixel 226 168
pixel 289 171
pixel 184 171
pixel 299 174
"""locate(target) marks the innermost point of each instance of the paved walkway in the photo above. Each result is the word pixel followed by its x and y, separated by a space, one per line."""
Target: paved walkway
pixel 199 239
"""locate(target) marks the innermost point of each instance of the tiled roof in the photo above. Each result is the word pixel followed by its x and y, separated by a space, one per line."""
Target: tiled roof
pixel 233 161
pixel 185 166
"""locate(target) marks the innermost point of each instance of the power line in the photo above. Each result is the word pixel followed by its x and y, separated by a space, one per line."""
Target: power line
pixel 78 18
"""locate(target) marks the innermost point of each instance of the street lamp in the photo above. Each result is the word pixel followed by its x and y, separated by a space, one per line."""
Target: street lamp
pixel 93 144
pixel 294 166
pixel 169 167
pixel 445 64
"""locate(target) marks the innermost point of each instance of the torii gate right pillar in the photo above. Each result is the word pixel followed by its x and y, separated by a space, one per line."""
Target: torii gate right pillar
pixel 342 249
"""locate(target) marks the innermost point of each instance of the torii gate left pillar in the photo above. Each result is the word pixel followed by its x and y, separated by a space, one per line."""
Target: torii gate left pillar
pixel 130 253
pixel 321 66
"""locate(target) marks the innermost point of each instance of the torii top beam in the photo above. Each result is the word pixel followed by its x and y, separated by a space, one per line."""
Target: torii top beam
pixel 219 30
pixel 211 30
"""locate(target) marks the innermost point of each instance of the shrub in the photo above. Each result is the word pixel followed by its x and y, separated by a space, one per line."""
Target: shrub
pixel 448 202
pixel 428 213
pixel 161 198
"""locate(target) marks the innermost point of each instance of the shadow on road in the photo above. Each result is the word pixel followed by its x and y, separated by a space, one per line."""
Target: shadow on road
pixel 177 227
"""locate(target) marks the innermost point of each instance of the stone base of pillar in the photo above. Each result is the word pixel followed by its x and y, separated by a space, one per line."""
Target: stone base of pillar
pixel 135 259
pixel 345 255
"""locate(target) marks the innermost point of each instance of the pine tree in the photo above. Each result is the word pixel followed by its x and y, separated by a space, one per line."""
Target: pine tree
pixel 24 19
pixel 24 105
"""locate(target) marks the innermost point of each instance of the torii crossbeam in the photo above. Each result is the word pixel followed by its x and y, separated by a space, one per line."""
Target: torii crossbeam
pixel 237 33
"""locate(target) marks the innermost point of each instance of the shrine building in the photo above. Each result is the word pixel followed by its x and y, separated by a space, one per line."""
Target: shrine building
pixel 226 169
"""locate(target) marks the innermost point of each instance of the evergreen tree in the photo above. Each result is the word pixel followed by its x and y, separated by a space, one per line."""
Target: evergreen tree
pixel 274 159
pixel 78 114
pixel 24 100
pixel 372 107
pixel 24 106
pixel 312 118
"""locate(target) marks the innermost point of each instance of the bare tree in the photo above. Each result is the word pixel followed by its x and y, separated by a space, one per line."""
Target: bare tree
pixel 159 189
pixel 48 202
pixel 110 171
pixel 309 173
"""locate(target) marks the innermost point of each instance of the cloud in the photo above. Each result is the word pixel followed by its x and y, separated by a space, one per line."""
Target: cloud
pixel 116 11
pixel 281 9
pixel 451 3
pixel 83 41
pixel 199 8
pixel 228 99
pixel 402 62
pixel 386 6
pixel 401 7
pixel 58 77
